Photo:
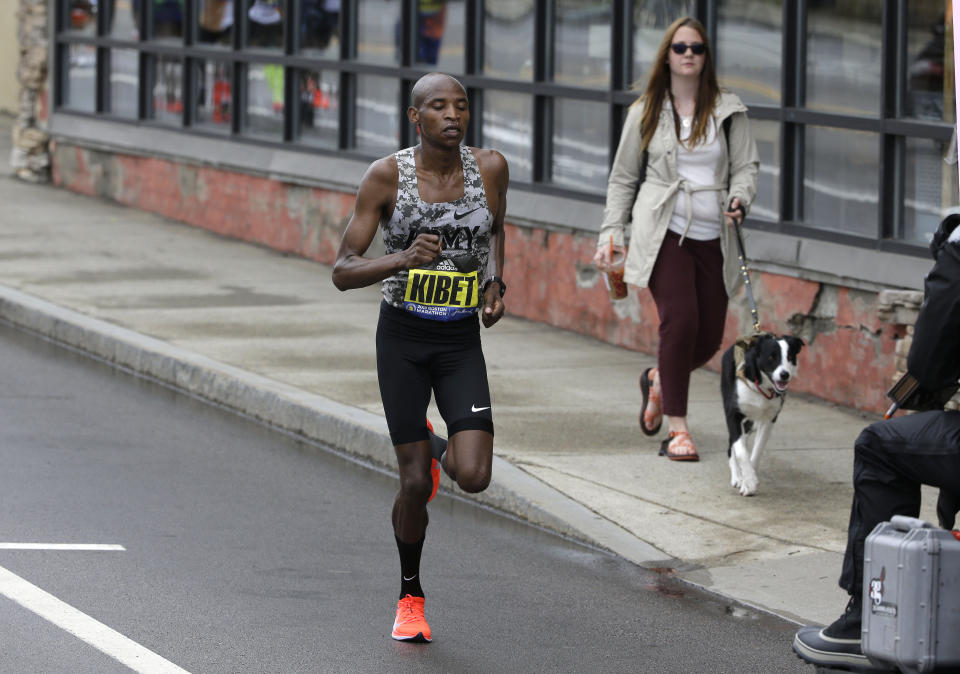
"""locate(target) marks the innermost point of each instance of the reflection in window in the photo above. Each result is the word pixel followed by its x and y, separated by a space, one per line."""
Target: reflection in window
pixel 767 203
pixel 319 107
pixel 123 20
pixel 214 85
pixel 929 47
pixel 440 34
pixel 80 83
pixel 215 22
pixel 377 115
pixel 840 181
pixel 167 19
pixel 582 43
pixel 83 17
pixel 508 128
pixel 748 49
pixel 320 27
pixel 580 139
pixel 124 71
pixel 508 39
pixel 265 24
pixel 265 100
pixel 930 189
pixel 378 31
pixel 844 59
pixel 167 90
pixel 650 20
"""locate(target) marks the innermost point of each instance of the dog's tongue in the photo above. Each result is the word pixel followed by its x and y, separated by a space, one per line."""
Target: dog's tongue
pixel 780 387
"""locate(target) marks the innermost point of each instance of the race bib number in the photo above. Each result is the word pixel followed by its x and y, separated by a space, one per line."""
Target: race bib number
pixel 441 295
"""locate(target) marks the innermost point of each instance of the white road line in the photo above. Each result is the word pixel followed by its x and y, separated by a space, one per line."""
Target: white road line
pixel 62 546
pixel 82 626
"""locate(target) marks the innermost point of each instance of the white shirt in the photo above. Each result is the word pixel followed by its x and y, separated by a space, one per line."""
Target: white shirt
pixel 698 166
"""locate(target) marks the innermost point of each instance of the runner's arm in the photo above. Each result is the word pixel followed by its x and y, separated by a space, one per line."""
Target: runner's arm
pixel 493 306
pixel 352 269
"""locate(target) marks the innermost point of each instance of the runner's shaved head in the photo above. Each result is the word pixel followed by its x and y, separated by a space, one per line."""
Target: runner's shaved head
pixel 425 86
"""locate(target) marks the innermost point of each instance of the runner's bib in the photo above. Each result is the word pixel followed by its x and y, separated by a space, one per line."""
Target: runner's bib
pixel 442 294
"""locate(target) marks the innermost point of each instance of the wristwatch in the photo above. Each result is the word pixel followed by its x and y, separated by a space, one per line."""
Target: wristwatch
pixel 494 279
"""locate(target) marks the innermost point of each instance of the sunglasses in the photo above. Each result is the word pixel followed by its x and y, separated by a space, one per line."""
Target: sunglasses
pixel 698 48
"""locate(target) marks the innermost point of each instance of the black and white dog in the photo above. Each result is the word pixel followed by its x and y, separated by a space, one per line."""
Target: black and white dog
pixel 755 373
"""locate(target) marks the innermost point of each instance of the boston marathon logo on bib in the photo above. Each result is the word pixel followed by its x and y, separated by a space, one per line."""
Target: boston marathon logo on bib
pixel 442 292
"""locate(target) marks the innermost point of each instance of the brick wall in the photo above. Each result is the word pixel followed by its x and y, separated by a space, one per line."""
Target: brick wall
pixel 850 354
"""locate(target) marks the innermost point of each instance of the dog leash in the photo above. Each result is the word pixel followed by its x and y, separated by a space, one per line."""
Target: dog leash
pixel 745 270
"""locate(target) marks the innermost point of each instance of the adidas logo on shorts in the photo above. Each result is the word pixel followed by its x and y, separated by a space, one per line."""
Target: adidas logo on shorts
pixel 446 265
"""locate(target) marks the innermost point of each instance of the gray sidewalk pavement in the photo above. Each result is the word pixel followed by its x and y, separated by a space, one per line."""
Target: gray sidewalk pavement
pixel 269 335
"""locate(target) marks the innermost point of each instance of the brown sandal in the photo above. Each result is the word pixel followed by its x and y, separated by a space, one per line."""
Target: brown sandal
pixel 679 440
pixel 651 414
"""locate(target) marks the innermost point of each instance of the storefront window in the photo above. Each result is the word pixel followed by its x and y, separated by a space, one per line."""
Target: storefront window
pixel 378 115
pixel 123 20
pixel 930 189
pixel 844 58
pixel 124 70
pixel 580 138
pixel 840 186
pixel 215 22
pixel 930 83
pixel 81 17
pixel 265 97
pixel 749 49
pixel 650 21
pixel 214 95
pixel 319 107
pixel 80 89
pixel 167 19
pixel 378 31
pixel 582 43
pixel 767 203
pixel 320 28
pixel 508 39
pixel 265 21
pixel 440 35
pixel 167 96
pixel 508 128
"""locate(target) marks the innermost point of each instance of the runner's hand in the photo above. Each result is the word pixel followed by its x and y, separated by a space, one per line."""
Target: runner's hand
pixel 425 248
pixel 492 306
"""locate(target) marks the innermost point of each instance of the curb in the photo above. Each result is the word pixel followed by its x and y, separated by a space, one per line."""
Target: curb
pixel 348 429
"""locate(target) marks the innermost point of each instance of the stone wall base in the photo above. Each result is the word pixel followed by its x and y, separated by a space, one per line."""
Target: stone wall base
pixel 850 353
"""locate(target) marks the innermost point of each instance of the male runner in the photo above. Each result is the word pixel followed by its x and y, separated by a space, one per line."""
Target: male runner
pixel 441 208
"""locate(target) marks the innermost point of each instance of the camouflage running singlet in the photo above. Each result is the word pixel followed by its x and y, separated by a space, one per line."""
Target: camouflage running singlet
pixel 449 287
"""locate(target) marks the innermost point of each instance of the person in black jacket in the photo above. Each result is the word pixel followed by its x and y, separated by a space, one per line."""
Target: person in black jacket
pixel 893 458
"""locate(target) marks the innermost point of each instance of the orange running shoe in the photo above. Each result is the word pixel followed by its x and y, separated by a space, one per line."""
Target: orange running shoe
pixel 410 625
pixel 434 470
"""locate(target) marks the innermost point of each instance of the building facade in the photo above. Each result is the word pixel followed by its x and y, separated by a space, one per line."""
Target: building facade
pixel 257 118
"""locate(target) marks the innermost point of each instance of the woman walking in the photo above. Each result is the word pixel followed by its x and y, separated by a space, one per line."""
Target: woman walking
pixel 701 164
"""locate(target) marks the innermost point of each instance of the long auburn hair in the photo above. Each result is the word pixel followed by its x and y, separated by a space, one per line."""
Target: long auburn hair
pixel 658 88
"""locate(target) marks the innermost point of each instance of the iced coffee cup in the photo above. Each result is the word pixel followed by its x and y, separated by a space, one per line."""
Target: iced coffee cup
pixel 613 274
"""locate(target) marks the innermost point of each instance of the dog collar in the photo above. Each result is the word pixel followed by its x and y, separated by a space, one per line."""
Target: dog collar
pixel 773 391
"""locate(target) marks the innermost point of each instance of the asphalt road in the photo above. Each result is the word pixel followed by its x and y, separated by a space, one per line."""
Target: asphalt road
pixel 246 550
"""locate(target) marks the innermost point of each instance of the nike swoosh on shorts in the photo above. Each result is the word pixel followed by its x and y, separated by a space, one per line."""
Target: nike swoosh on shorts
pixel 474 408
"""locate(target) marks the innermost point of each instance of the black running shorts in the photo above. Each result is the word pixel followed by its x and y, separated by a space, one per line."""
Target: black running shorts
pixel 415 355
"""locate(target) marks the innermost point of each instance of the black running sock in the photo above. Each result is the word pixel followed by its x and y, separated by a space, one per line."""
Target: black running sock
pixel 438 445
pixel 410 567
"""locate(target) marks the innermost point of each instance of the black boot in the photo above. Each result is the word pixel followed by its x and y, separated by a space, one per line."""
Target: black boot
pixel 838 644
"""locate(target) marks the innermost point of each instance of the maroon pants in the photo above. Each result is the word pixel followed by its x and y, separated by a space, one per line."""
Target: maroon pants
pixel 687 286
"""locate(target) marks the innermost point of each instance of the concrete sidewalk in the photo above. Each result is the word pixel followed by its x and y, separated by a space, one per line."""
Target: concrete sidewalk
pixel 270 336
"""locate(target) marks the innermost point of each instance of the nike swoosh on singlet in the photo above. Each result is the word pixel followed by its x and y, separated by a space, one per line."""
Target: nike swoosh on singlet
pixel 458 216
pixel 474 408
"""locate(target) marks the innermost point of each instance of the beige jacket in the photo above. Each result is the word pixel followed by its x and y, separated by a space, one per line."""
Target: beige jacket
pixel 657 196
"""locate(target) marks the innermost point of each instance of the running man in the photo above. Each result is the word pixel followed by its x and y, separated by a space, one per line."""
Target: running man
pixel 440 206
